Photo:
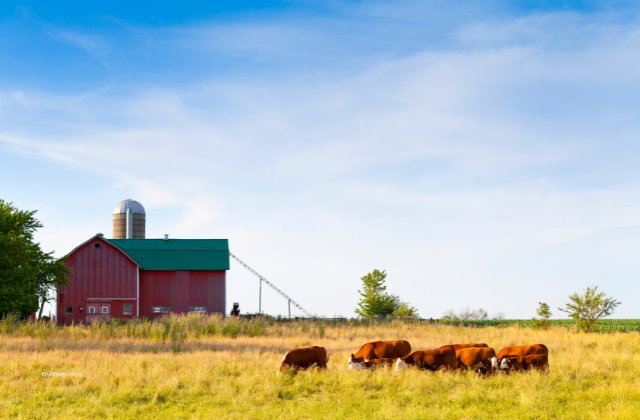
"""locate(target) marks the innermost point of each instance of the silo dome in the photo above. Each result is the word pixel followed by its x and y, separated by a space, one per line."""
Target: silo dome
pixel 123 206
pixel 129 219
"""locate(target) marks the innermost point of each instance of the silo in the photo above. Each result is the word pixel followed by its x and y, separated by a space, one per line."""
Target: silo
pixel 128 220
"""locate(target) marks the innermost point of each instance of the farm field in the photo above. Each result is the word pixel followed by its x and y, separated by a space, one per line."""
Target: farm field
pixel 199 367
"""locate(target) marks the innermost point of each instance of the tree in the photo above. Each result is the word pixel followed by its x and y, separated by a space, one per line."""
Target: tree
pixel 51 274
pixel 544 313
pixel 465 314
pixel 377 303
pixel 589 307
pixel 406 311
pixel 449 314
pixel 22 263
pixel 17 252
pixel 498 315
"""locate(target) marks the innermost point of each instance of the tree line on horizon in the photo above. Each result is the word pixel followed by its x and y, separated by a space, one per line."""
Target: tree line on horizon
pixel 587 308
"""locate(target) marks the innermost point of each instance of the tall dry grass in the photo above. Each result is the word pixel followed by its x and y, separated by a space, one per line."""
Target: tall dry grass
pixel 193 374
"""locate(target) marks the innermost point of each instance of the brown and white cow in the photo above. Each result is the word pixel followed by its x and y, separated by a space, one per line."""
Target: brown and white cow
pixel 380 350
pixel 304 358
pixel 531 362
pixel 428 359
pixel 477 358
pixel 520 351
pixel 457 347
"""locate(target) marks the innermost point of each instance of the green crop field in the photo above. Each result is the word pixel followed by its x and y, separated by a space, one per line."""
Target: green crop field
pixel 604 326
pixel 205 367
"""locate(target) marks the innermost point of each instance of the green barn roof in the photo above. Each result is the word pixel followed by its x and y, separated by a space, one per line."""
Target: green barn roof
pixel 176 254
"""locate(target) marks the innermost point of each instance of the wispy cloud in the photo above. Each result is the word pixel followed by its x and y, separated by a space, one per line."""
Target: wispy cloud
pixel 88 42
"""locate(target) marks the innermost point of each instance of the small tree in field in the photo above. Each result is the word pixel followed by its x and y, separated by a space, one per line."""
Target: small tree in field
pixel 544 313
pixel 589 307
pixel 377 303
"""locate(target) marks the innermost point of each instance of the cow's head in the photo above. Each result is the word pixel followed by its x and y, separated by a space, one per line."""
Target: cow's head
pixel 355 360
pixel 504 365
pixel 400 365
pixel 354 364
pixel 494 364
pixel 509 363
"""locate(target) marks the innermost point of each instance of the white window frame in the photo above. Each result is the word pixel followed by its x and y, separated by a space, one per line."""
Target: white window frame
pixel 92 310
pixel 105 310
pixel 162 311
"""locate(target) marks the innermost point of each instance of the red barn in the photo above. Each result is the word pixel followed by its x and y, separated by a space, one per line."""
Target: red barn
pixel 125 278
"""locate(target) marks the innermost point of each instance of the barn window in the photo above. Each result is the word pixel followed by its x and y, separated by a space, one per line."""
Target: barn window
pixel 202 309
pixel 127 309
pixel 92 310
pixel 161 309
pixel 97 245
pixel 105 310
pixel 69 309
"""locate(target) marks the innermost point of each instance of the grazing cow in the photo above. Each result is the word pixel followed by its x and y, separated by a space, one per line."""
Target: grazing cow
pixel 477 358
pixel 372 364
pixel 531 362
pixel 457 347
pixel 380 350
pixel 304 358
pixel 428 359
pixel 520 351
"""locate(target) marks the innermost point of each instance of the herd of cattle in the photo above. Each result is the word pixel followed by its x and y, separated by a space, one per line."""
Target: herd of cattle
pixel 479 357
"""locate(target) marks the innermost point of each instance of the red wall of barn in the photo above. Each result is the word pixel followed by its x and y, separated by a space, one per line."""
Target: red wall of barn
pixel 117 308
pixel 181 289
pixel 104 272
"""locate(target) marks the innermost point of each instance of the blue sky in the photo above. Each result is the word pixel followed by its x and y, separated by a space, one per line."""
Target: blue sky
pixel 484 154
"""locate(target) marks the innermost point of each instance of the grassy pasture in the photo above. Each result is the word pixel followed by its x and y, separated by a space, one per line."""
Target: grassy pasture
pixel 192 367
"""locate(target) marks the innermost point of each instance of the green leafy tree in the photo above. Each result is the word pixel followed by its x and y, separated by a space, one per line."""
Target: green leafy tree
pixel 587 308
pixel 375 302
pixel 406 311
pixel 544 313
pixel 17 252
pixel 51 274
pixel 22 263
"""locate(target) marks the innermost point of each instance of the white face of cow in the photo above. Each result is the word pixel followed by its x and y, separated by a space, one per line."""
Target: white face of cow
pixel 494 363
pixel 400 365
pixel 354 365
pixel 504 365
